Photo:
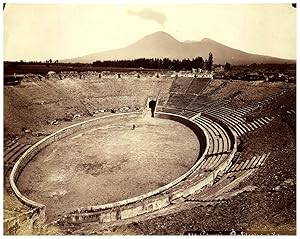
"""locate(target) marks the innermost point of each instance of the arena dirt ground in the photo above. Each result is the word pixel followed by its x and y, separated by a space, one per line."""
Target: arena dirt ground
pixel 108 163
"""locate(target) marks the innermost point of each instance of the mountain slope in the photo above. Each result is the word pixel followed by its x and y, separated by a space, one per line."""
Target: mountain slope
pixel 161 44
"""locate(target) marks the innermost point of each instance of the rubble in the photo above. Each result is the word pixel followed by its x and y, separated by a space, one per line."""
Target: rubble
pixel 76 116
pixel 52 122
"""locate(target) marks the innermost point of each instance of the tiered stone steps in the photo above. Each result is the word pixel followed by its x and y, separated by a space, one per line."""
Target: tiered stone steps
pixel 203 107
pixel 188 114
pixel 175 111
pixel 162 101
pixel 254 162
pixel 243 128
pixel 234 118
pixel 13 151
pixel 181 84
pixel 197 85
pixel 218 136
pixel 223 187
pixel 179 100
pixel 218 150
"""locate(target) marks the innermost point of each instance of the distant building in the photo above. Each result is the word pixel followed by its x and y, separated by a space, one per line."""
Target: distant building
pixel 219 69
pixel 218 76
pixel 205 75
pixel 194 70
pixel 185 74
pixel 255 76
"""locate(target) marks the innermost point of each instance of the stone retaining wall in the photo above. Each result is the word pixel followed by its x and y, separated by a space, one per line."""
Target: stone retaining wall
pixel 24 223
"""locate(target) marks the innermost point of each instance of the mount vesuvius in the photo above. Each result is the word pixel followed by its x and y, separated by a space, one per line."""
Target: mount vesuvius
pixel 161 44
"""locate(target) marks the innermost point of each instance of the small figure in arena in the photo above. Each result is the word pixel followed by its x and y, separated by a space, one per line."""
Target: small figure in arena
pixel 133 127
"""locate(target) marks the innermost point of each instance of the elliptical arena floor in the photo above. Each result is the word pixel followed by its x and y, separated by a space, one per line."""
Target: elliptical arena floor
pixel 108 163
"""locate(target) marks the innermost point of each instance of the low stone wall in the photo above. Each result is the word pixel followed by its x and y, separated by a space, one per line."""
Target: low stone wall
pixel 128 208
pixel 115 213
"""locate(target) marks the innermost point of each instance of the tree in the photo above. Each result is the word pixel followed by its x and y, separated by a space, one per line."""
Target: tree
pixel 227 66
pixel 210 62
pixel 154 63
pixel 253 66
pixel 198 62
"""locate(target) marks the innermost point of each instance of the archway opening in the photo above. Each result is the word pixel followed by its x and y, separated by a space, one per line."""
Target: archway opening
pixel 152 105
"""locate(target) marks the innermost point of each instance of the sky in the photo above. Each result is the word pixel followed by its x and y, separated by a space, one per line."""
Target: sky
pixel 36 32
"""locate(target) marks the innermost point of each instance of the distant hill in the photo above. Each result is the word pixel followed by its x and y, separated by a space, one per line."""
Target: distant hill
pixel 161 44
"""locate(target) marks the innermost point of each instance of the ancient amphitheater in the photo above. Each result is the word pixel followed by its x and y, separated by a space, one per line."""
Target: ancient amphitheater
pixel 82 155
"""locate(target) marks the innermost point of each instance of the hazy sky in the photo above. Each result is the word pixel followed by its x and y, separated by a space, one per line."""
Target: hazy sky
pixel 40 31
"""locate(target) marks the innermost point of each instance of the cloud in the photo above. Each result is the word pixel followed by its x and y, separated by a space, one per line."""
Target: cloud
pixel 149 14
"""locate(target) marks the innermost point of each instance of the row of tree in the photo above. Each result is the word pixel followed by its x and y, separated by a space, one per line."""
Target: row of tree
pixel 156 63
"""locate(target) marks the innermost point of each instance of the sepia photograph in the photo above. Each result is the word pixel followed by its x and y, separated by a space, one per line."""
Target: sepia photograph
pixel 152 118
